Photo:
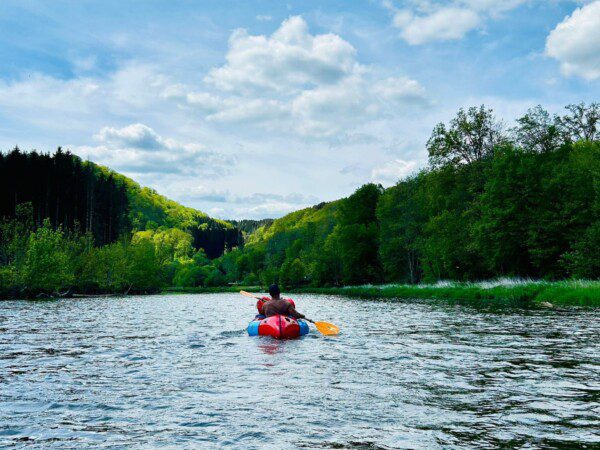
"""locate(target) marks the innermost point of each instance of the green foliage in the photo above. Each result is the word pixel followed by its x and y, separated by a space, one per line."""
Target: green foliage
pixel 215 278
pixel 292 273
pixel 536 131
pixel 582 123
pixel 486 207
pixel 401 215
pixel 583 261
pixel 169 244
pixel 152 211
pixel 47 265
pixel 190 274
pixel 112 268
pixel 144 266
pixel 486 294
pixel 471 136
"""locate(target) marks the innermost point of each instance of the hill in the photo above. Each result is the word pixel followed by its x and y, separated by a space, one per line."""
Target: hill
pixel 76 194
pixel 492 203
pixel 523 202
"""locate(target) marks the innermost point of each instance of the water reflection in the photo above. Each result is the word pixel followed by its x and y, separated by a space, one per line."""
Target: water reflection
pixel 270 346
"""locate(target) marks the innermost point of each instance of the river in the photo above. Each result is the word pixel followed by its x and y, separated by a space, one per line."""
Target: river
pixel 180 372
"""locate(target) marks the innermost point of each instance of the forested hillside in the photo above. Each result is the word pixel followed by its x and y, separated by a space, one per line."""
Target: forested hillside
pixel 494 201
pixel 67 223
pixel 81 195
pixel 65 190
pixel 150 211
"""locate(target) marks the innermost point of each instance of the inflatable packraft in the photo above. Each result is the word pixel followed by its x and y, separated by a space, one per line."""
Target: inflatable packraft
pixel 278 327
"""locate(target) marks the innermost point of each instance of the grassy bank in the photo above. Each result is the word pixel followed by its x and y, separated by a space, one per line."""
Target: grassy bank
pixel 501 291
pixel 561 293
pixel 497 292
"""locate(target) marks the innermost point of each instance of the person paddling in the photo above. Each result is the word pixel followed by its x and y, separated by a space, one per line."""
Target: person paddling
pixel 326 328
pixel 279 306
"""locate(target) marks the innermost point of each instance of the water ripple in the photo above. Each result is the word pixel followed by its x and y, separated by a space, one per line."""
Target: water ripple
pixel 155 372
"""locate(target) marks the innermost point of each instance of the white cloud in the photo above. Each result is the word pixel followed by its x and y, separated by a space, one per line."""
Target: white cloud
pixel 290 58
pixel 242 110
pixel 575 42
pixel 73 98
pixel 393 171
pixel 299 83
pixel 138 149
pixel 400 90
pixel 424 21
pixel 312 109
pixel 442 25
pixel 492 7
pixel 137 135
pixel 333 110
pixel 68 104
pixel 202 192
pixel 256 205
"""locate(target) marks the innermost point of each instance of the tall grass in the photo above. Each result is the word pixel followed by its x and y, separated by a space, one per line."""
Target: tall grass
pixel 512 291
pixel 517 291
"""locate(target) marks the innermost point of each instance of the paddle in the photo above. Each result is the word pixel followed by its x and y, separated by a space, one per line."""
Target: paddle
pixel 248 294
pixel 328 329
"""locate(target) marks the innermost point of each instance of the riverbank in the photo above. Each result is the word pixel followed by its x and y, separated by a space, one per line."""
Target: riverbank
pixel 562 293
pixel 502 291
pixel 507 291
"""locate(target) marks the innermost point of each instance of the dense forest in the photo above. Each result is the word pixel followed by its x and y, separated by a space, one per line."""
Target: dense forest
pixel 73 225
pixel 65 190
pixel 494 201
pixel 80 195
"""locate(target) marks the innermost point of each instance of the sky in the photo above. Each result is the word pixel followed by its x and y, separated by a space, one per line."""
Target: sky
pixel 254 108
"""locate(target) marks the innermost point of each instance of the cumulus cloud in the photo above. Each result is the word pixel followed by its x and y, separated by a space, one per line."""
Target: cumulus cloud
pixel 288 59
pixel 424 21
pixel 137 136
pixel 299 83
pixel 575 42
pixel 73 98
pixel 137 148
pixel 75 103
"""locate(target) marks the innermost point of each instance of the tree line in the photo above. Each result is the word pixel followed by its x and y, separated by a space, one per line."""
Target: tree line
pixel 68 224
pixel 494 201
pixel 66 191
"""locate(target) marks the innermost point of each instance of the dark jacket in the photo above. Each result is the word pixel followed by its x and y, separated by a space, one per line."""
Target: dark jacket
pixel 280 307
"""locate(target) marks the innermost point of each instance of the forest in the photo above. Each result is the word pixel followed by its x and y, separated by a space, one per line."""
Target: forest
pixel 71 225
pixel 494 200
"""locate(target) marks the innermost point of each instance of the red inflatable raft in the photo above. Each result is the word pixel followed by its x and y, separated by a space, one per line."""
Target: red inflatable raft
pixel 278 327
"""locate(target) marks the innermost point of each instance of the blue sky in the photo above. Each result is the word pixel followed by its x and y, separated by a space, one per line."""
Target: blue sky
pixel 257 108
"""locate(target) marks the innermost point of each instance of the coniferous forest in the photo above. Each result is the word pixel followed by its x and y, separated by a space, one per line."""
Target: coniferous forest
pixel 70 225
pixel 496 200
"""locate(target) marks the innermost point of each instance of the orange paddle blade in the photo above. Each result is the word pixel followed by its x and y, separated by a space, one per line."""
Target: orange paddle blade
pixel 248 294
pixel 328 329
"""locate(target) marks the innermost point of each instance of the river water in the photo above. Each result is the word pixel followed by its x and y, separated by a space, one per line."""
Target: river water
pixel 180 372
